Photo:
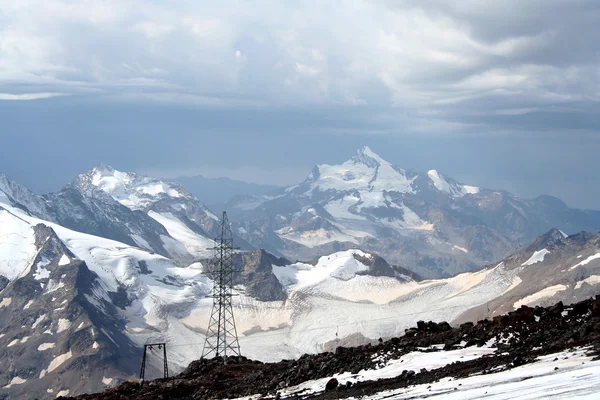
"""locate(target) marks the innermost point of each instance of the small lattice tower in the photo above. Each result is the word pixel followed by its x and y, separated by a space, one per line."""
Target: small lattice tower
pixel 221 335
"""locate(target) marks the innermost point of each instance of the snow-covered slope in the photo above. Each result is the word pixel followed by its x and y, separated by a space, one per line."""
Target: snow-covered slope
pixel 324 303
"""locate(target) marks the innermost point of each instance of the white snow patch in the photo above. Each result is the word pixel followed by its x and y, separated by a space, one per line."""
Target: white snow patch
pixel 460 248
pixel 43 373
pixel 59 360
pixel 542 294
pixel 64 260
pixel 95 345
pixel 38 321
pixel 63 325
pixel 29 303
pixel 41 272
pixel 54 286
pixel 14 342
pixel 107 381
pixel 63 393
pixel 586 261
pixel 537 257
pixel 5 302
pixel 16 381
pixel 577 377
pixel 591 280
pixel 46 346
pixel 471 189
pixel 414 361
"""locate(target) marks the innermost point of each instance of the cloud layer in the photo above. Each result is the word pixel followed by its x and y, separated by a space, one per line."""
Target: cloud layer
pixel 440 66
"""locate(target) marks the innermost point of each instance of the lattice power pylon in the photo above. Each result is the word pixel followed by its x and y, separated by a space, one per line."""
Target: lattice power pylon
pixel 221 335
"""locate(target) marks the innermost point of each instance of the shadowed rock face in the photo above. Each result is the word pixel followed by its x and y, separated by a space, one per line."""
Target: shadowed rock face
pixel 99 215
pixel 379 267
pixel 257 275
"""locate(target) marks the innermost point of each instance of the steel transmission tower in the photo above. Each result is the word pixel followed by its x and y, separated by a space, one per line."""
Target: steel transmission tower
pixel 221 336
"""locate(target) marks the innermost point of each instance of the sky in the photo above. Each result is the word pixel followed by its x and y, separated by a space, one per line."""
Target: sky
pixel 500 94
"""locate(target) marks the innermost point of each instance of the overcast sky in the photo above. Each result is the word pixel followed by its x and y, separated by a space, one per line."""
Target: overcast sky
pixel 502 94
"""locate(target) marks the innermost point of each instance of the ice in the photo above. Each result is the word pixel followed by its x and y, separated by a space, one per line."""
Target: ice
pixel 586 261
pixel 339 209
pixel 542 294
pixel 537 257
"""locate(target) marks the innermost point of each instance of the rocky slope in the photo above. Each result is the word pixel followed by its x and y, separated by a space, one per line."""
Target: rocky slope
pixel 61 331
pixel 76 307
pixel 489 347
pixel 428 221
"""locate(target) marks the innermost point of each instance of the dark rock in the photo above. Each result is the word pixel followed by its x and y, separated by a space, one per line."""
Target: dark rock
pixel 331 384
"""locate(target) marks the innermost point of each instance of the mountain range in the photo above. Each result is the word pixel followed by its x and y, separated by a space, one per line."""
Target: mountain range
pixel 428 222
pixel 115 260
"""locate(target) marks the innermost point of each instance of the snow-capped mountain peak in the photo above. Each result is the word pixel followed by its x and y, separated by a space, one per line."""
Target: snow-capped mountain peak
pixel 367 156
pixel 365 171
pixel 449 186
pixel 132 190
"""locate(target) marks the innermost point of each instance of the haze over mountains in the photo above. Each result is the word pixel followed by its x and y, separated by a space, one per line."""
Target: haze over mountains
pixel 114 259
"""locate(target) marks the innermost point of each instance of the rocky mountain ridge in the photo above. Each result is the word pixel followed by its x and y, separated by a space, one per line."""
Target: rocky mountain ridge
pixel 427 221
pixel 510 341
